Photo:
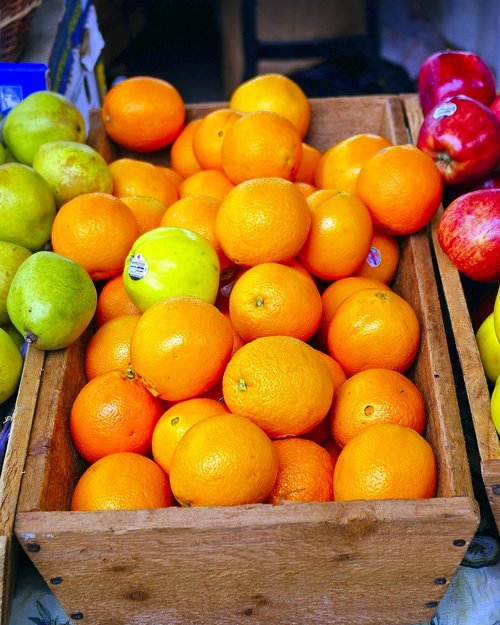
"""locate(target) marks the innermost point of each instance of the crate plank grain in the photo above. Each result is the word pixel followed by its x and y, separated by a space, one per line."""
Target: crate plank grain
pixel 476 385
pixel 366 563
pixel 12 470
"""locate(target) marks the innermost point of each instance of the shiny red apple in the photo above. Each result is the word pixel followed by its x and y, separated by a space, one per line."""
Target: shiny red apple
pixel 453 72
pixel 462 135
pixel 495 107
pixel 469 234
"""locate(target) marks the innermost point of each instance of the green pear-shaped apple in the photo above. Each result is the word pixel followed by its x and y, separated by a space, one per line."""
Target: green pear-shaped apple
pixel 11 366
pixel 71 169
pixel 27 206
pixel 489 348
pixel 51 300
pixel 11 257
pixel 42 116
pixel 168 261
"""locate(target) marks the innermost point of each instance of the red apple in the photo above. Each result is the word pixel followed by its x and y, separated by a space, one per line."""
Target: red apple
pixel 495 107
pixel 469 234
pixel 462 135
pixel 454 72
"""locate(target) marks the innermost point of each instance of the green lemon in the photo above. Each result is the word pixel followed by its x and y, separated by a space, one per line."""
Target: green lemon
pixel 489 348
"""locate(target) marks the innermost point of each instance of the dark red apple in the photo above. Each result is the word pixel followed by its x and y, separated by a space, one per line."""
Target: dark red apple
pixel 469 234
pixel 495 107
pixel 454 72
pixel 462 135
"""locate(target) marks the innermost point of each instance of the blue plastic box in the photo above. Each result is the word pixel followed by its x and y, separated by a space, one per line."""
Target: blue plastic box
pixel 18 80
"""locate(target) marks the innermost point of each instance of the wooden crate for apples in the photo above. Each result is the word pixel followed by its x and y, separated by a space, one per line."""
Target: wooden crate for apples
pixel 476 385
pixel 11 473
pixel 364 563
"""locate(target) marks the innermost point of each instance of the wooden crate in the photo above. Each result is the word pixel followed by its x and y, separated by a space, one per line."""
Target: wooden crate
pixel 475 382
pixel 379 562
pixel 11 473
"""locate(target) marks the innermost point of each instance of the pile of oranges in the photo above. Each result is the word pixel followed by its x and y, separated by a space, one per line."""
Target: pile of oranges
pixel 292 385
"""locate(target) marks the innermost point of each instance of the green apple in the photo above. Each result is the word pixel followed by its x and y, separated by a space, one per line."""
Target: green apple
pixel 42 116
pixel 71 168
pixel 166 262
pixel 496 314
pixel 489 348
pixel 27 206
pixel 11 257
pixel 51 300
pixel 11 366
pixel 495 405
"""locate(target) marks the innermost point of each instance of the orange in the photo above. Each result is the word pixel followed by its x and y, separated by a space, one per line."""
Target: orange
pixel 308 164
pixel 122 481
pixel 277 93
pixel 263 220
pixel 114 301
pixel 96 230
pixel 385 461
pixel 305 472
pixel 206 182
pixel 134 177
pixel 339 238
pixel 237 340
pixel 321 433
pixel 339 166
pixel 298 266
pixel 271 298
pixel 374 328
pixel 280 383
pixel 182 157
pixel 375 396
pixel 261 144
pixel 176 421
pixel 319 196
pixel 148 211
pixel 305 188
pixel 402 188
pixel 113 412
pixel 109 346
pixel 171 174
pixel 334 294
pixel 199 213
pixel 382 260
pixel 223 460
pixel 209 134
pixel 180 347
pixel 143 113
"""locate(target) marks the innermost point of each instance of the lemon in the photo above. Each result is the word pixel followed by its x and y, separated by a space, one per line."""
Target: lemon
pixel 495 405
pixel 489 348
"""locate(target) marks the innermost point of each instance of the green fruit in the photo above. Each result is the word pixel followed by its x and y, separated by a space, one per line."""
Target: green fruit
pixel 11 366
pixel 11 257
pixel 166 262
pixel 41 117
pixel 495 405
pixel 3 155
pixel 71 169
pixel 51 300
pixel 489 348
pixel 496 314
pixel 27 206
pixel 14 334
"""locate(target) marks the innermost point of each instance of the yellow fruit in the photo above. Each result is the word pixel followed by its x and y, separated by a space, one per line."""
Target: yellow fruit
pixel 489 348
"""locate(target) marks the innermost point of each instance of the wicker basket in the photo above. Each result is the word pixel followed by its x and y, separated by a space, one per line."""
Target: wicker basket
pixel 15 22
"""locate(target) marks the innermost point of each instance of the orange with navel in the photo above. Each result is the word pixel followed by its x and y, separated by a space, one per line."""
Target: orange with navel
pixel 375 396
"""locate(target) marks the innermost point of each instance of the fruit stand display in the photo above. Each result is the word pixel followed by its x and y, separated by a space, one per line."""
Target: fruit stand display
pixel 365 562
pixel 476 383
